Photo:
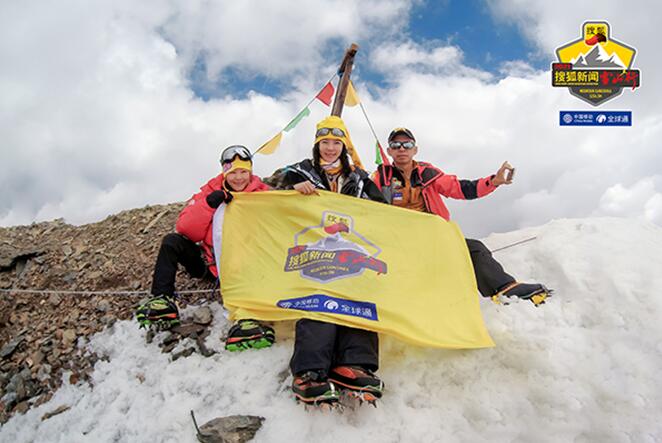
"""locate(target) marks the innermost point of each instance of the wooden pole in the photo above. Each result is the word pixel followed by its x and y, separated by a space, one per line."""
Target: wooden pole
pixel 345 71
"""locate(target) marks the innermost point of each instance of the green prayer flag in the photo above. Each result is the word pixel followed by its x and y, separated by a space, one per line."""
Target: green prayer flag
pixel 295 121
pixel 378 154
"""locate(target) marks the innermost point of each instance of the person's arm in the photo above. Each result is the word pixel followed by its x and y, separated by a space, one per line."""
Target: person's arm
pixel 194 220
pixel 450 186
pixel 372 191
pixel 295 178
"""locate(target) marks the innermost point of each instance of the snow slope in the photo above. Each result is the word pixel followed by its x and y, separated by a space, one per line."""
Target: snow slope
pixel 585 367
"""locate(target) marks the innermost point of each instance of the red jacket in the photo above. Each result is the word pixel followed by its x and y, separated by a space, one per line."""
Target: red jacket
pixel 434 183
pixel 195 220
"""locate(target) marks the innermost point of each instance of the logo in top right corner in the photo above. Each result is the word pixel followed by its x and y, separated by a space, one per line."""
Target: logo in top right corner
pixel 595 68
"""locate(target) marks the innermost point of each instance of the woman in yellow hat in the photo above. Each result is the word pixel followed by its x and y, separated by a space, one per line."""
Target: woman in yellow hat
pixel 327 356
pixel 331 167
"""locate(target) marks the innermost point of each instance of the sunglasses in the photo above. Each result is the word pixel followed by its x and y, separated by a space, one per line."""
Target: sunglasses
pixel 398 145
pixel 236 151
pixel 321 132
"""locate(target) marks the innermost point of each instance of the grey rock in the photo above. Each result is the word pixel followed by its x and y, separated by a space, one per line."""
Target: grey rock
pixel 231 429
pixel 103 306
pixel 168 348
pixel 185 353
pixel 32 389
pixel 22 407
pixel 17 385
pixel 188 329
pixel 9 400
pixel 202 316
pixel 68 336
pixel 44 372
pixel 22 266
pixel 72 317
pixel 36 358
pixel 10 347
pixel 54 299
pixel 149 337
pixel 10 256
pixel 170 338
pixel 46 346
pixel 69 277
pixel 204 350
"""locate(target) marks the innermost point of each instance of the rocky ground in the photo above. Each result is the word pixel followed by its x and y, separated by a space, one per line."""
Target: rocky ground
pixel 43 335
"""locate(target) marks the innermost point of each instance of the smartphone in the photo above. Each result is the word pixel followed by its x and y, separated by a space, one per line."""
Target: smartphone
pixel 510 174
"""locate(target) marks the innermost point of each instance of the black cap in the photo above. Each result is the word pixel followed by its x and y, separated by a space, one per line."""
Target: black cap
pixel 398 131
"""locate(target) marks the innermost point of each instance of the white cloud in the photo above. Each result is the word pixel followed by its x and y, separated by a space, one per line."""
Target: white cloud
pixel 643 198
pixel 97 115
pixel 397 59
pixel 394 56
pixel 276 37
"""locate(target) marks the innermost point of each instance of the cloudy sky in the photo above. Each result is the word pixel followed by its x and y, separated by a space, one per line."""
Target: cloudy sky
pixel 111 105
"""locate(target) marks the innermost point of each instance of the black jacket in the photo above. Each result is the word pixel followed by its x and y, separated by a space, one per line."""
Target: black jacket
pixel 356 184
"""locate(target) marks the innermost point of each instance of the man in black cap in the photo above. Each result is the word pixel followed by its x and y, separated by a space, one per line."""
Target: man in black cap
pixel 419 186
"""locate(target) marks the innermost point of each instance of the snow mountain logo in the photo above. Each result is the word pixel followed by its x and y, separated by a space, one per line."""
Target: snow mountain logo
pixel 598 58
pixel 341 252
pixel 595 68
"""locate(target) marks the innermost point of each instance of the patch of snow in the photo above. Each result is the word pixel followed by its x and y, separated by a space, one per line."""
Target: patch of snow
pixel 584 367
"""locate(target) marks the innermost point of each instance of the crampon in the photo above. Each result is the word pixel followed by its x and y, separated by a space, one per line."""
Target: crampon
pixel 249 334
pixel 314 390
pixel 357 384
pixel 514 292
pixel 158 313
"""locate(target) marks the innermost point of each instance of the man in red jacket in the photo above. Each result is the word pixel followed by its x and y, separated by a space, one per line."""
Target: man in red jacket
pixel 191 246
pixel 419 186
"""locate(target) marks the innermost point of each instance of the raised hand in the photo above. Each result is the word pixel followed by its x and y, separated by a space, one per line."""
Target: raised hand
pixel 504 175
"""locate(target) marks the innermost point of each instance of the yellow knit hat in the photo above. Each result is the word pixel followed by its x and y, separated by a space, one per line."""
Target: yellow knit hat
pixel 235 164
pixel 332 122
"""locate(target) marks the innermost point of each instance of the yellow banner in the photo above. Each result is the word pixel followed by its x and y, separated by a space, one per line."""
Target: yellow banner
pixel 348 261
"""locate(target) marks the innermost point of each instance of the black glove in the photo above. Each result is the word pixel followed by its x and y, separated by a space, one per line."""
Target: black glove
pixel 215 199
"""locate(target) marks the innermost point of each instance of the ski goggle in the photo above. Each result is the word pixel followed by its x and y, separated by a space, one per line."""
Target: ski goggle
pixel 321 132
pixel 231 152
pixel 406 145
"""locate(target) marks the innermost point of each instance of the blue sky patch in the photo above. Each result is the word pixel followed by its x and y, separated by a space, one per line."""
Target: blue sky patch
pixel 468 24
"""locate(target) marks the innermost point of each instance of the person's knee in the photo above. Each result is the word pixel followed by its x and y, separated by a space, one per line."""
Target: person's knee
pixel 174 241
pixel 477 247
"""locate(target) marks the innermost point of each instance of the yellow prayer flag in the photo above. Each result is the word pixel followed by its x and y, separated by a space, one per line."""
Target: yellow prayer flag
pixel 348 261
pixel 270 146
pixel 352 98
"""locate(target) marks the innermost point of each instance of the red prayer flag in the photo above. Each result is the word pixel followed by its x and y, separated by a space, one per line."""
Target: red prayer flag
pixel 326 94
pixel 380 155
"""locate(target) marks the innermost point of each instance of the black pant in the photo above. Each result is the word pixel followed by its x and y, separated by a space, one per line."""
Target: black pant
pixel 176 249
pixel 322 346
pixel 490 275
